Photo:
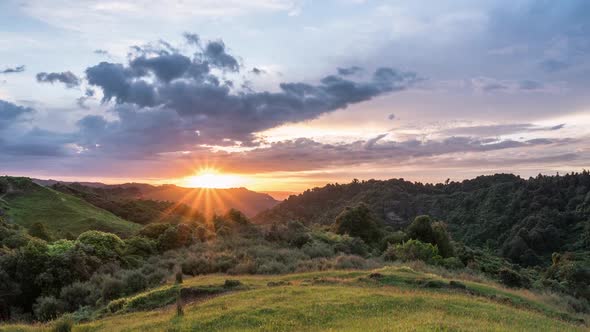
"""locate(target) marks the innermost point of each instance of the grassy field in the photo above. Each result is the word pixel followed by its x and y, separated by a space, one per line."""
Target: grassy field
pixel 388 299
pixel 27 203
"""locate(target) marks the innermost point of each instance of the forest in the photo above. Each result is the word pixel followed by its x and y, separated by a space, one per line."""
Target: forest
pixel 532 234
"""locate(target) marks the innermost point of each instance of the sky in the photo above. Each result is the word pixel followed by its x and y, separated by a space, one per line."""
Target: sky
pixel 291 94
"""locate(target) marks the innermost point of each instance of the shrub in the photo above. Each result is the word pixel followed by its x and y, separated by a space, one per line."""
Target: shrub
pixel 510 277
pixel 64 324
pixel 421 229
pixel 60 247
pixel 358 221
pixel 39 231
pixel 195 265
pixel 140 246
pixel 105 245
pixel 230 283
pixel 48 307
pixel 350 262
pixel 412 250
pixel 318 249
pixel 393 238
pixel 76 295
pixel 452 263
pixel 134 282
pixel 272 267
pixel 112 288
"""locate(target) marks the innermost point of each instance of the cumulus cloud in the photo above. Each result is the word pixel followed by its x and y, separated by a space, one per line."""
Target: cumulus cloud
pixel 68 78
pixel 189 90
pixel 11 114
pixel 12 70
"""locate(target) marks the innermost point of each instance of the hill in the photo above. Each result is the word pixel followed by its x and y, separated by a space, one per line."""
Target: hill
pixel 25 203
pixel 524 220
pixel 206 200
pixel 391 298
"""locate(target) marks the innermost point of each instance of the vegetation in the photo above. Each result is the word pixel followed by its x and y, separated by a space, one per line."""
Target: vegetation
pixel 98 279
pixel 523 220
pixel 394 298
pixel 30 205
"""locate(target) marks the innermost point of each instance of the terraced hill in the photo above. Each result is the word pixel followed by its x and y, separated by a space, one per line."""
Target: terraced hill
pixel 393 298
pixel 25 203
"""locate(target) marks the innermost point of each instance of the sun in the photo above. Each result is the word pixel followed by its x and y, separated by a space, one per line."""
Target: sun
pixel 212 178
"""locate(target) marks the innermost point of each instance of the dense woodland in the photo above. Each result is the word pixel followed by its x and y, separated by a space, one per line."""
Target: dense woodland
pixel 523 233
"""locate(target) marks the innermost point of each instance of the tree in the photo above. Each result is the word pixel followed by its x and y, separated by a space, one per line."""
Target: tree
pixel 421 229
pixel 39 231
pixel 106 246
pixel 358 221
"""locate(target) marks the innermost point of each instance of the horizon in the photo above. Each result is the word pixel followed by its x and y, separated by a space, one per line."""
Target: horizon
pixel 227 94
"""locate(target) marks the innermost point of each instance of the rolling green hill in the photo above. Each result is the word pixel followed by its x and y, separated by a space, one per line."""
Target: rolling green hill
pixel 26 203
pixel 524 220
pixel 393 298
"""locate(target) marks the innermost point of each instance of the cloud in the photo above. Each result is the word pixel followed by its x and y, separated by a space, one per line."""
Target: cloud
pixel 258 71
pixel 17 69
pixel 306 154
pixel 11 114
pixel 68 78
pixel 498 130
pixel 349 71
pixel 492 85
pixel 187 89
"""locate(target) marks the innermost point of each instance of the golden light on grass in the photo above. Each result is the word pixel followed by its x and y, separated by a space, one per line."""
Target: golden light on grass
pixel 212 178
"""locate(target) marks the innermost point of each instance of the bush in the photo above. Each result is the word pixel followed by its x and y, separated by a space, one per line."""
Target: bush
pixel 318 249
pixel 272 267
pixel 112 288
pixel 510 277
pixel 134 282
pixel 39 231
pixel 106 246
pixel 140 246
pixel 358 221
pixel 64 324
pixel 351 262
pixel 452 263
pixel 76 295
pixel 48 308
pixel 195 265
pixel 412 250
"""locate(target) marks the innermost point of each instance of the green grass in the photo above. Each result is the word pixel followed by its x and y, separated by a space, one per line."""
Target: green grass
pixel 27 203
pixel 337 301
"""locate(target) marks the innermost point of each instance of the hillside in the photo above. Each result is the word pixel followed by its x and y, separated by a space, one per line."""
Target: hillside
pixel 392 298
pixel 206 200
pixel 26 202
pixel 524 220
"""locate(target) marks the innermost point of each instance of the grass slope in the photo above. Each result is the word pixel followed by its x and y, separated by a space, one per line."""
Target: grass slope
pixel 388 299
pixel 26 203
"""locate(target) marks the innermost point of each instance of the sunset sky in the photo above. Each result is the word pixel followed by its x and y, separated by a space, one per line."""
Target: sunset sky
pixel 291 94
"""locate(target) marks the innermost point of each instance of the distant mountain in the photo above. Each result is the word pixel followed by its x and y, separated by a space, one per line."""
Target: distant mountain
pixel 26 202
pixel 280 195
pixel 212 200
pixel 522 219
pixel 206 200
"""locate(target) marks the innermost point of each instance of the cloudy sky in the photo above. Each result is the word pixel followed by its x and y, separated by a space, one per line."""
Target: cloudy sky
pixel 290 94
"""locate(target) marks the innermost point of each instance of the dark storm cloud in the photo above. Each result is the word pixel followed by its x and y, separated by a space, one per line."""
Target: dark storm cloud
pixel 215 52
pixel 68 78
pixel 171 83
pixel 17 69
pixel 11 113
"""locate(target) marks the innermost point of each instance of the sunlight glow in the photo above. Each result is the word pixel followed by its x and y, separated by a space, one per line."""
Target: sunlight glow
pixel 212 178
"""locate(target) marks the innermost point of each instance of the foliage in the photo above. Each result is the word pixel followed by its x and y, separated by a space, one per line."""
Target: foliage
pixel 39 231
pixel 412 250
pixel 105 246
pixel 358 221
